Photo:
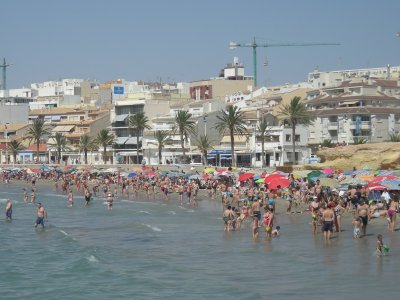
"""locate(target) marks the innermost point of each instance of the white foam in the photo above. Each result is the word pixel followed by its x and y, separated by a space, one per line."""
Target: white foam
pixel 92 259
pixel 145 212
pixel 190 211
pixel 171 212
pixel 64 233
pixel 154 228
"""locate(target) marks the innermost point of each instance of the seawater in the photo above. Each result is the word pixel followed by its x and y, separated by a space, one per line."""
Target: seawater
pixel 154 250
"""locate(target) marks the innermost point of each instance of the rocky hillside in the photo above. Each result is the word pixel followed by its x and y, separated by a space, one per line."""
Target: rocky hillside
pixel 378 156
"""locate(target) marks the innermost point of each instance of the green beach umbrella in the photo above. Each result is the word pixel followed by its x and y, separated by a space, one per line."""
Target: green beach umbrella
pixel 314 174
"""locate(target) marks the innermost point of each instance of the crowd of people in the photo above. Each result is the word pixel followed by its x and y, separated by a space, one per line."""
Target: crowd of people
pixel 243 203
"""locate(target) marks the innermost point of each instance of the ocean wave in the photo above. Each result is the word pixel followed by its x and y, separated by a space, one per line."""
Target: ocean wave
pixel 171 212
pixel 92 259
pixel 144 212
pixel 154 228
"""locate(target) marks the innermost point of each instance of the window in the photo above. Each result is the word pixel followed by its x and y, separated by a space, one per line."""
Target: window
pixel 297 138
pixel 258 156
pixel 288 138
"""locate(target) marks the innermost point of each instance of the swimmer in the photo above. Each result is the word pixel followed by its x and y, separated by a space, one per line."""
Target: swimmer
pixel 110 201
pixel 25 195
pixel 381 249
pixel 70 198
pixel 9 210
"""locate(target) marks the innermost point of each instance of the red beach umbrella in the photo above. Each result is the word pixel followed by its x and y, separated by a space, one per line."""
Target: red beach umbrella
pixel 271 177
pixel 383 178
pixel 246 176
pixel 283 182
pixel 376 187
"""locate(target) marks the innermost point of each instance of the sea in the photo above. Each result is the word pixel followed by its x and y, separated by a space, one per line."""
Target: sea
pixel 149 249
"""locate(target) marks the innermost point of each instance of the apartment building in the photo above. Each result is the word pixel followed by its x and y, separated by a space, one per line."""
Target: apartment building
pixel 364 108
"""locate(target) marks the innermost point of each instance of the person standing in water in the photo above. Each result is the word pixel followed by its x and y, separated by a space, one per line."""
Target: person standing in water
pixel 110 201
pixel 9 210
pixel 70 198
pixel 25 195
pixel 41 215
pixel 328 218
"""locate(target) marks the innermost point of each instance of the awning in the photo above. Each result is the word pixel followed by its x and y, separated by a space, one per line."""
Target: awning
pixel 133 141
pixel 121 140
pixel 348 103
pixel 120 118
pixel 211 157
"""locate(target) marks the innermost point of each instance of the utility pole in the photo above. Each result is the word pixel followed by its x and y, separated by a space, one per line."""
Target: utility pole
pixel 254 45
pixel 4 66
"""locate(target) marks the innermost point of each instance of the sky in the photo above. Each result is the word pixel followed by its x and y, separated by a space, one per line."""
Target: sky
pixel 184 40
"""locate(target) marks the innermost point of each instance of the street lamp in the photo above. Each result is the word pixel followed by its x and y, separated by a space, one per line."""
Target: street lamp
pixel 6 134
pixel 205 124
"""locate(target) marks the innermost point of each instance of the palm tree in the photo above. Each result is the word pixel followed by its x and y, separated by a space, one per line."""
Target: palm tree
pixel 295 113
pixel 60 144
pixel 263 129
pixel 232 121
pixel 85 144
pixel 138 121
pixel 327 143
pixel 14 146
pixel 162 138
pixel 184 126
pixel 203 144
pixel 36 132
pixel 105 138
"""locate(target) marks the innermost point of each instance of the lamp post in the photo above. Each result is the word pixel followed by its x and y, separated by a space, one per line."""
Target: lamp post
pixel 205 124
pixel 6 134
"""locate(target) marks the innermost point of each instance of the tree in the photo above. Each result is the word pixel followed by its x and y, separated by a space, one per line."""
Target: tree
pixel 203 144
pixel 359 140
pixel 231 120
pixel 263 129
pixel 36 132
pixel 60 144
pixel 105 138
pixel 184 126
pixel 295 113
pixel 394 137
pixel 327 143
pixel 14 146
pixel 162 138
pixel 139 122
pixel 85 144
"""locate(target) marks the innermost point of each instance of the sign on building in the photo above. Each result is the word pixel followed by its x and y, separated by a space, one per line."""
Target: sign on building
pixel 118 89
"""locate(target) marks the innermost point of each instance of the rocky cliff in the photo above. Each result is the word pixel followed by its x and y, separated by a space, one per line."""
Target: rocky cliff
pixel 377 156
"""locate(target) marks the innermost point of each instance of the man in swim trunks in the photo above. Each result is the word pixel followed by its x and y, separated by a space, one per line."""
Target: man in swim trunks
pixel 328 218
pixel 41 214
pixel 362 213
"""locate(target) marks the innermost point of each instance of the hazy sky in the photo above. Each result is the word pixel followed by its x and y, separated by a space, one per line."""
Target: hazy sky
pixel 184 40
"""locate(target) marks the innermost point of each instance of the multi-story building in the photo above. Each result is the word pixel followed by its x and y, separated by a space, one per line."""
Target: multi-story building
pixel 319 80
pixel 366 108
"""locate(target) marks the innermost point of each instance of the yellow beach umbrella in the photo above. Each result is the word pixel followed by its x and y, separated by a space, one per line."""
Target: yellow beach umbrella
pixel 209 170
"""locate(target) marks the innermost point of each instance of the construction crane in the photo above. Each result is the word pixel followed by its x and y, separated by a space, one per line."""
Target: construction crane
pixel 254 45
pixel 4 66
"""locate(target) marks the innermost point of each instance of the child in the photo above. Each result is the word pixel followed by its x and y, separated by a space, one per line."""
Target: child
pixel 275 232
pixel 381 249
pixel 357 225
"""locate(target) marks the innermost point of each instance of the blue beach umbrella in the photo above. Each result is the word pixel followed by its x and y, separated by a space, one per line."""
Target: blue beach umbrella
pixel 393 185
pixel 133 174
pixel 44 168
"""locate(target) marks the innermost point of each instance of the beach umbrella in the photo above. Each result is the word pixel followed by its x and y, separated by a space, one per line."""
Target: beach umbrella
pixel 147 168
pixel 300 173
pixel 209 170
pixel 348 172
pixel 246 176
pixel 44 168
pixel 283 182
pixel 368 168
pixel 393 185
pixel 376 187
pixel 366 177
pixel 194 177
pixel 151 174
pixel 132 174
pixel 314 174
pixel 330 182
pixel 261 180
pixel 256 177
pixel 328 170
pixel 352 181
pixel 271 177
pixel 383 178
